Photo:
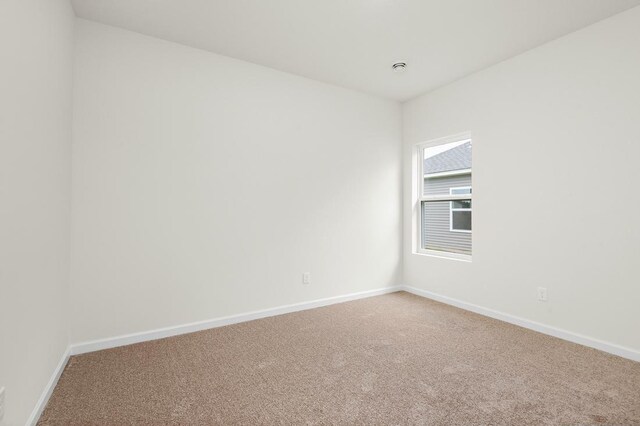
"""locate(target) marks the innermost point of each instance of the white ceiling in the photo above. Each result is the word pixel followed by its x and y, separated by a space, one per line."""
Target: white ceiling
pixel 352 43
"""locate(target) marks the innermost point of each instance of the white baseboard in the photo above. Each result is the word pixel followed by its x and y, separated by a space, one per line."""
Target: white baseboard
pixel 128 339
pixel 531 325
pixel 48 390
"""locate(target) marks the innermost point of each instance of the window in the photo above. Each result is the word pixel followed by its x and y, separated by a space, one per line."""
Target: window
pixel 444 201
pixel 460 211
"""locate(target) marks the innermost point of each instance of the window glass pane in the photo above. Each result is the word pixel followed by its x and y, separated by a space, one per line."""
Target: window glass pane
pixel 461 204
pixel 461 220
pixel 447 166
pixel 436 229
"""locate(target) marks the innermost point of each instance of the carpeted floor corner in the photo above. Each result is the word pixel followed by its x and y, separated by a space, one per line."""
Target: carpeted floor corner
pixel 392 359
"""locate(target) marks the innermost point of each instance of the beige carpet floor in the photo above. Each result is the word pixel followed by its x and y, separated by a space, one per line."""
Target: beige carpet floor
pixel 392 359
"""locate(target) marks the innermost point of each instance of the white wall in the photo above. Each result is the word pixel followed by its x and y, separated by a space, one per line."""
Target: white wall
pixel 36 42
pixel 556 135
pixel 205 186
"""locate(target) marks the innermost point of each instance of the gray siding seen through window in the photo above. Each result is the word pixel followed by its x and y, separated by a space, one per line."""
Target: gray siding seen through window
pixel 436 233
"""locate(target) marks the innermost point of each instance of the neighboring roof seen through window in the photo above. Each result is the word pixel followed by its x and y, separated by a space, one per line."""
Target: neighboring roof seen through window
pixel 456 158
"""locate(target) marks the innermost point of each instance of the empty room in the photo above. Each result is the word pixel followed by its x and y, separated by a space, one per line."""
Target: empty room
pixel 319 212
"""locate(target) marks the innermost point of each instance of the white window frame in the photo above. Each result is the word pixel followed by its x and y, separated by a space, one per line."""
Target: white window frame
pixel 458 209
pixel 419 197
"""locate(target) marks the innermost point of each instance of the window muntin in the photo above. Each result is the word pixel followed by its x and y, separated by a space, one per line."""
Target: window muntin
pixel 445 198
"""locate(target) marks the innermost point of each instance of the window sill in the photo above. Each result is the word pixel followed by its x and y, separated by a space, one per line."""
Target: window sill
pixel 444 255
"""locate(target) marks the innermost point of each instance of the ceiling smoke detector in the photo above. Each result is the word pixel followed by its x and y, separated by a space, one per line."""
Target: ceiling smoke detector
pixel 399 67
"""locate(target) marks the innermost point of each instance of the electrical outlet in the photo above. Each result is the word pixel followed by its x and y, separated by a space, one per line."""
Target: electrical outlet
pixel 1 404
pixel 306 278
pixel 542 294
